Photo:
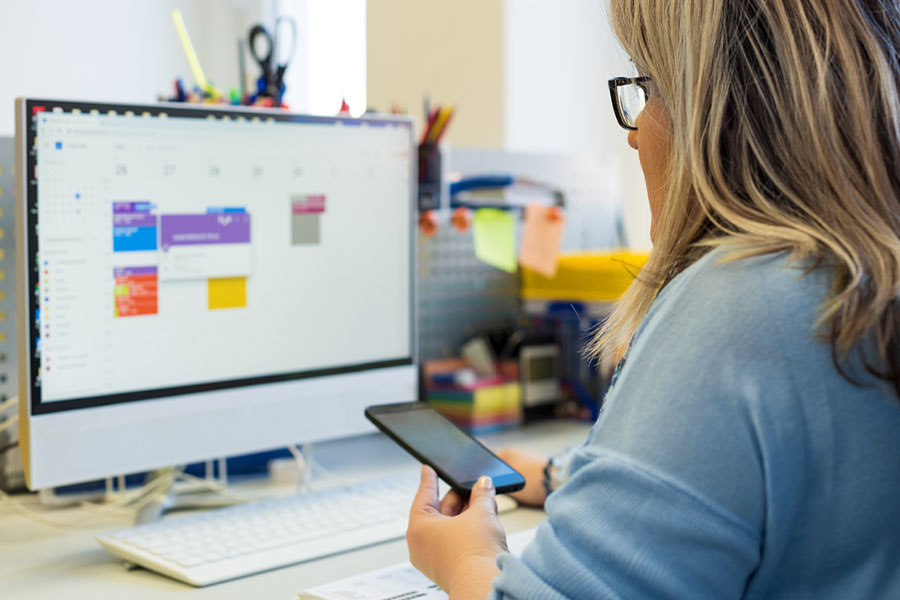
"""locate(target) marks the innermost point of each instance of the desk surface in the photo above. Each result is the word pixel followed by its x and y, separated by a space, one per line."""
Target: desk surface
pixel 39 561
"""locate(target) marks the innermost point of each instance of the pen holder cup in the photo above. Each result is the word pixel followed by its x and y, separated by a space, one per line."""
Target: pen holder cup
pixel 429 177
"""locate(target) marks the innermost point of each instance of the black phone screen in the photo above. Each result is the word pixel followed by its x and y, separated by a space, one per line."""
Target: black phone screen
pixel 443 444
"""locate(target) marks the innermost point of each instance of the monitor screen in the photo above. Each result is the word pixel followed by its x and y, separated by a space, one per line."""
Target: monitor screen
pixel 173 251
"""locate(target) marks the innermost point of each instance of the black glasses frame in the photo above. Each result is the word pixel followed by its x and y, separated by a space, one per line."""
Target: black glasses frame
pixel 614 85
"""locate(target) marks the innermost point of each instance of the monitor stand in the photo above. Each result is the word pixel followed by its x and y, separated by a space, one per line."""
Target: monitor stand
pixel 201 493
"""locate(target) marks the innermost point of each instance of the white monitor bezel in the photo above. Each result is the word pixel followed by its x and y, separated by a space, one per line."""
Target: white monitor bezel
pixel 76 445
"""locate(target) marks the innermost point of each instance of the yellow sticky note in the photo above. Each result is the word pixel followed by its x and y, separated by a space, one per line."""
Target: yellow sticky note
pixel 541 238
pixel 227 292
pixel 495 238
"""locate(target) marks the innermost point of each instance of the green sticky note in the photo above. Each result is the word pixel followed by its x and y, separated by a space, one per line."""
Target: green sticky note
pixel 495 238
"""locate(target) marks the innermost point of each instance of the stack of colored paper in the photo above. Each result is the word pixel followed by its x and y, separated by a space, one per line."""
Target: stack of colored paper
pixel 485 405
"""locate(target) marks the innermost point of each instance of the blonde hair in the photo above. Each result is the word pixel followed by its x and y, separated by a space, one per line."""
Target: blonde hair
pixel 785 125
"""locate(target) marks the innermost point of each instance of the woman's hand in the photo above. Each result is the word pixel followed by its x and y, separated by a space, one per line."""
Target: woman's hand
pixel 531 466
pixel 455 543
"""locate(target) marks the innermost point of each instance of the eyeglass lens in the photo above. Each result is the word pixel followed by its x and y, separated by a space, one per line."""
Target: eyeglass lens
pixel 632 100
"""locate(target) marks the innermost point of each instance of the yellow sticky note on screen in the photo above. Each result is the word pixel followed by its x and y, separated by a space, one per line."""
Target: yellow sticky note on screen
pixel 495 238
pixel 227 292
pixel 541 238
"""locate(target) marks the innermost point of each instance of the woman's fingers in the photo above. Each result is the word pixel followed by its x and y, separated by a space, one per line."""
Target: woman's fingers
pixel 452 504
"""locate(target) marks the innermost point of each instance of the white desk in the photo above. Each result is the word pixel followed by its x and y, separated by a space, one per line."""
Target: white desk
pixel 38 561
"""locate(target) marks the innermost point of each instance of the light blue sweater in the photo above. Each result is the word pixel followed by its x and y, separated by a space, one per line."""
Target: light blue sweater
pixel 731 458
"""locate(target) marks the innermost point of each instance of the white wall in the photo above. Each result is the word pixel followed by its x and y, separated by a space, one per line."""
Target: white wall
pixel 113 50
pixel 558 58
pixel 337 56
pixel 330 61
pixel 128 51
pixel 449 50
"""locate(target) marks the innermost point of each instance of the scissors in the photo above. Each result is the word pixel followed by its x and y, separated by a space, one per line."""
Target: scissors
pixel 271 83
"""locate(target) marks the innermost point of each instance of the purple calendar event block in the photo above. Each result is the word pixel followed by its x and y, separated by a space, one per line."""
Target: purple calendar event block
pixel 130 271
pixel 123 219
pixel 222 228
pixel 132 207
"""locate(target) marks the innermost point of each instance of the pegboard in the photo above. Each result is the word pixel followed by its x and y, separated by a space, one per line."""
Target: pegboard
pixel 8 380
pixel 10 463
pixel 459 296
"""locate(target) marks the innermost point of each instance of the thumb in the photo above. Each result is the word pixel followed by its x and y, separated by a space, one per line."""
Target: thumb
pixel 484 495
pixel 427 500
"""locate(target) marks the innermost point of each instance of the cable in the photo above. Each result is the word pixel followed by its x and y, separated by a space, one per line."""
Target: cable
pixel 28 513
pixel 317 470
pixel 215 486
pixel 8 447
pixel 9 422
pixel 310 469
pixel 123 507
pixel 134 500
pixel 303 466
pixel 315 465
pixel 7 403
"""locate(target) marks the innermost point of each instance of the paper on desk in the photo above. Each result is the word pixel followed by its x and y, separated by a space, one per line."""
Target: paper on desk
pixel 399 582
pixel 541 238
pixel 494 231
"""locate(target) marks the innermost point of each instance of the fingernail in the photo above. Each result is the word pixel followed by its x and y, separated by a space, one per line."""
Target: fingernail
pixel 485 483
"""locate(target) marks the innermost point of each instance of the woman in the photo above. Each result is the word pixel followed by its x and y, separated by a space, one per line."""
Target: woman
pixel 750 445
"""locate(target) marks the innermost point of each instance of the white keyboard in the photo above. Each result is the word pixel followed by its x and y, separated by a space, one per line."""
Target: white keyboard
pixel 227 543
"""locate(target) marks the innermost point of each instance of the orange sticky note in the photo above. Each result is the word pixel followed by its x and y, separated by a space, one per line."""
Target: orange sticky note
pixel 541 238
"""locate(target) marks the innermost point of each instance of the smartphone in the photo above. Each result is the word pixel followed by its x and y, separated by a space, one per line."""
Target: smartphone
pixel 457 457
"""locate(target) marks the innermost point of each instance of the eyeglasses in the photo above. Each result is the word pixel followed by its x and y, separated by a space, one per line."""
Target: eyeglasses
pixel 629 97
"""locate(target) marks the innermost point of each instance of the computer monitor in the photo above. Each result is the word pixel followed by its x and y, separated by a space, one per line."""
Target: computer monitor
pixel 198 282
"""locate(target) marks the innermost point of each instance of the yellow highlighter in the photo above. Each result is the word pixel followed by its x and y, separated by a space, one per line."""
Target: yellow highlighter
pixel 193 61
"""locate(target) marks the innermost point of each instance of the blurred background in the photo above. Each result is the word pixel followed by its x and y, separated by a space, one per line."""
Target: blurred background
pixel 524 75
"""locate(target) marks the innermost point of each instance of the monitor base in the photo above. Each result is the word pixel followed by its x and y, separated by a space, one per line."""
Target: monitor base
pixel 200 493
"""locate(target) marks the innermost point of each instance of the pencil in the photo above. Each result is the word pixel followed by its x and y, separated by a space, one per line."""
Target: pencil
pixel 429 125
pixel 440 132
pixel 439 123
